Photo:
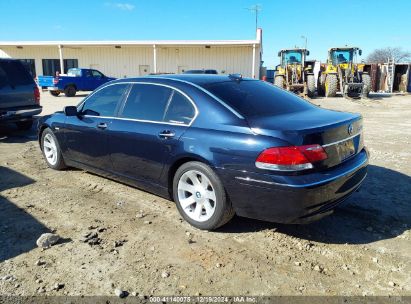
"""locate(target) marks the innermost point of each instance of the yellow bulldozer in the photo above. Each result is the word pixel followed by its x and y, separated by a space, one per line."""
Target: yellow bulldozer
pixel 343 74
pixel 295 73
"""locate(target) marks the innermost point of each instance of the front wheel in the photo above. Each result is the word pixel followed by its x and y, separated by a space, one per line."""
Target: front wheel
pixel 279 81
pixel 51 150
pixel 310 86
pixel 366 80
pixel 331 84
pixel 55 93
pixel 200 196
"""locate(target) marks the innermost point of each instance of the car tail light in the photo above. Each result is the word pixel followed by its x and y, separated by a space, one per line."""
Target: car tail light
pixel 55 80
pixel 36 95
pixel 293 158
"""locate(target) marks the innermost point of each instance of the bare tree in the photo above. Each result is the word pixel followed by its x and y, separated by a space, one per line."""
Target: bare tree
pixel 382 55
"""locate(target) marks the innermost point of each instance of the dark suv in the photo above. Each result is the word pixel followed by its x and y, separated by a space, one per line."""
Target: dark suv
pixel 19 94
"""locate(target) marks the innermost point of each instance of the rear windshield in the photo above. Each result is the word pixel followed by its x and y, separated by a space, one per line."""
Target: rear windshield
pixel 14 73
pixel 74 72
pixel 253 98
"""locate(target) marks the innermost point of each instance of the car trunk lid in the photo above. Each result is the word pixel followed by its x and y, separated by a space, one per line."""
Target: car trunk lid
pixel 339 133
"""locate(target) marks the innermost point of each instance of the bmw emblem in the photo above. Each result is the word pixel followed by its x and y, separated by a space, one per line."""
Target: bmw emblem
pixel 350 129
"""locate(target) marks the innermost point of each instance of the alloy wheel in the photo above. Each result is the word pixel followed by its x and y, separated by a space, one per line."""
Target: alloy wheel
pixel 50 149
pixel 196 195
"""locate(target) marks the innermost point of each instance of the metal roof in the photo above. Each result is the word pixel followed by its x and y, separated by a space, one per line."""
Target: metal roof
pixel 344 48
pixel 294 49
pixel 132 43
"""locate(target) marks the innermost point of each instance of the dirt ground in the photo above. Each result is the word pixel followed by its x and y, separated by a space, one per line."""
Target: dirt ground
pixel 364 248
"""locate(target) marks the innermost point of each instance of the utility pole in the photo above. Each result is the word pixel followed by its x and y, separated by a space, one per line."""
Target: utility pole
pixel 304 37
pixel 255 8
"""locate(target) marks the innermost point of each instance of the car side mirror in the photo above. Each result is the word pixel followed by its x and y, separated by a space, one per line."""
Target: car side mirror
pixel 70 111
pixel 308 53
pixel 279 54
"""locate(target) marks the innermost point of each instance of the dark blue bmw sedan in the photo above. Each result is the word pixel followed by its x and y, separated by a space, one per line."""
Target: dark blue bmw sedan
pixel 216 145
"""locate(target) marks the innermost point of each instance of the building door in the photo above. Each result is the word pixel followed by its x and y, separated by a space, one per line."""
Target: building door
pixel 182 69
pixel 144 70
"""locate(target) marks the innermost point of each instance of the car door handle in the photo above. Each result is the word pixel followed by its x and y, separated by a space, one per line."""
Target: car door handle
pixel 166 134
pixel 102 125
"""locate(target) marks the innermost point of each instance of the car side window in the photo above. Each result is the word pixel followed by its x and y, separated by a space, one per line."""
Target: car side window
pixel 180 110
pixel 96 74
pixel 105 101
pixel 146 102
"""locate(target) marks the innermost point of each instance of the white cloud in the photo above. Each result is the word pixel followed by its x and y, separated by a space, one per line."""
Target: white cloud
pixel 121 6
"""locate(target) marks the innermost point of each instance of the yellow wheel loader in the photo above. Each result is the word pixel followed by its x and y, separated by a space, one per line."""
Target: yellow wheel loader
pixel 295 73
pixel 343 74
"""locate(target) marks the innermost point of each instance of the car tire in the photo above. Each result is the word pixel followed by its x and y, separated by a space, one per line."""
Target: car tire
pixel 70 91
pixel 51 150
pixel 55 93
pixel 24 125
pixel 200 196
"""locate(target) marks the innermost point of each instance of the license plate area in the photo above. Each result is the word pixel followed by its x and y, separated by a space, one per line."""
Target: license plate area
pixel 345 149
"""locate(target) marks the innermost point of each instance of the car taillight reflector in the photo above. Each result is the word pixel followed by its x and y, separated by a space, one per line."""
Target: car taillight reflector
pixel 291 158
pixel 55 80
pixel 36 95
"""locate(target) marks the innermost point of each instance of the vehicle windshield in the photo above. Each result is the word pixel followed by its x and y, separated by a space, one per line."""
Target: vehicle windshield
pixel 74 72
pixel 253 98
pixel 341 56
pixel 291 57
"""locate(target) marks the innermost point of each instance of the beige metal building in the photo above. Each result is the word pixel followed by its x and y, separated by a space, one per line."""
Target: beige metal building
pixel 137 58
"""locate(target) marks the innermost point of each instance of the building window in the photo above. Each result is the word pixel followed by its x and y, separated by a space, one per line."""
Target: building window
pixel 70 64
pixel 30 65
pixel 51 66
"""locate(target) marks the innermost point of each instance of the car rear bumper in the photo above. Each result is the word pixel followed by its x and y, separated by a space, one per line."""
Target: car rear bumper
pixel 294 199
pixel 18 114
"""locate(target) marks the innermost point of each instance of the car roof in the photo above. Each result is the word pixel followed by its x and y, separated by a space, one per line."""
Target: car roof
pixel 9 59
pixel 198 79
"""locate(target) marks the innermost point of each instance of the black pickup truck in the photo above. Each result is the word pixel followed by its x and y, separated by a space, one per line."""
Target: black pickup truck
pixel 19 94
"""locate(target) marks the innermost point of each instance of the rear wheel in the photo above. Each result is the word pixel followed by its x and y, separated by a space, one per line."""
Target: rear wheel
pixel 310 86
pixel 366 80
pixel 331 83
pixel 55 93
pixel 200 196
pixel 24 125
pixel 70 91
pixel 279 81
pixel 51 150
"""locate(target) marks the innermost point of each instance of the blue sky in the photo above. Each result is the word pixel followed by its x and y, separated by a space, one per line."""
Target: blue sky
pixel 368 24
